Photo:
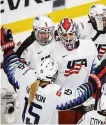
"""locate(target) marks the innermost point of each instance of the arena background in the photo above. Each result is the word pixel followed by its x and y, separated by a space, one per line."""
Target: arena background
pixel 18 15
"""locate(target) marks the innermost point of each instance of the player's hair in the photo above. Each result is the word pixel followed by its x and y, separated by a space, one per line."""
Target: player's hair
pixel 33 90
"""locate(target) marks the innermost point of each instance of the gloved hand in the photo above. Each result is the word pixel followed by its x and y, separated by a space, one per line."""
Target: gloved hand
pixel 95 81
pixel 6 40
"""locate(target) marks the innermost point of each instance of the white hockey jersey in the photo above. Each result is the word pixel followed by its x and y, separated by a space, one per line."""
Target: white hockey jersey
pixel 48 99
pixel 88 32
pixel 75 66
pixel 92 118
pixel 36 53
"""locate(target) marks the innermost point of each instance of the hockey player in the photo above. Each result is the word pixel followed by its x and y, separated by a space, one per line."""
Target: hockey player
pixel 38 45
pixel 96 117
pixel 95 28
pixel 75 57
pixel 39 98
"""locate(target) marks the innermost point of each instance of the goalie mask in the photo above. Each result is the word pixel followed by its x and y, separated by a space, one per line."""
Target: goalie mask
pixel 47 70
pixel 43 28
pixel 97 15
pixel 68 33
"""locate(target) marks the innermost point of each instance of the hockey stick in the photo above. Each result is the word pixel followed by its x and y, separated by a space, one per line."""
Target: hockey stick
pixel 26 43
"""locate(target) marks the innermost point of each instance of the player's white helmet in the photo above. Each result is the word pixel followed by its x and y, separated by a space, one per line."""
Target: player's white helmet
pixel 47 70
pixel 68 32
pixel 43 27
pixel 97 15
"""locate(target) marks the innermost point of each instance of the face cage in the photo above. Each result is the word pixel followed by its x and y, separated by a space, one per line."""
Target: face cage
pixel 69 44
pixel 95 24
pixel 44 41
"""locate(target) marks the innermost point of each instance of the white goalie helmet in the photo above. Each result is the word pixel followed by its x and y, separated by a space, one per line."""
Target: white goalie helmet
pixel 97 15
pixel 68 33
pixel 47 70
pixel 43 28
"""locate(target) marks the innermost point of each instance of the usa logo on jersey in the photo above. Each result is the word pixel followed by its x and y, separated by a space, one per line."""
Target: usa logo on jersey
pixel 74 67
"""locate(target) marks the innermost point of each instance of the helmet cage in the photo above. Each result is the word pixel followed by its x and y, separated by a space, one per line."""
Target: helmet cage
pixel 97 17
pixel 69 43
pixel 49 31
pixel 98 22
pixel 68 32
